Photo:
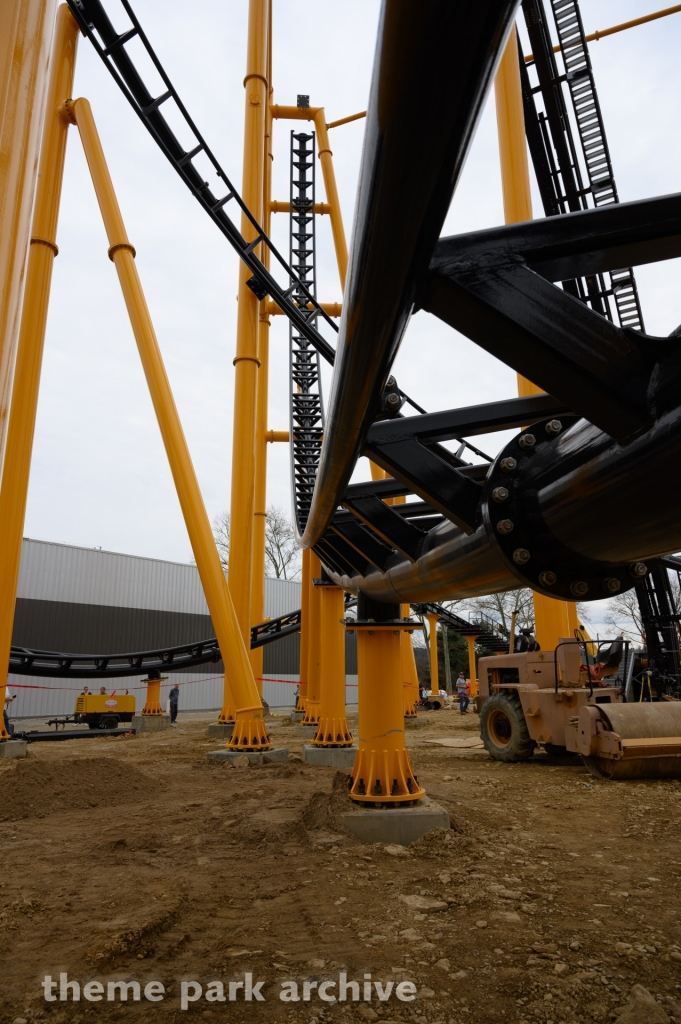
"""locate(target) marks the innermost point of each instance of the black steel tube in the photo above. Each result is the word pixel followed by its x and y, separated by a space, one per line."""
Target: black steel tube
pixel 620 504
pixel 599 500
pixel 434 63
pixel 454 565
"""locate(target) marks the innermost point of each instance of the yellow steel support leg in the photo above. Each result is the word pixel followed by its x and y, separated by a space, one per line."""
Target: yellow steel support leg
pixel 247 361
pixel 152 705
pixel 249 730
pixel 332 730
pixel 382 772
pixel 432 651
pixel 301 703
pixel 43 249
pixel 261 432
pixel 410 679
pixel 550 620
pixel 472 667
pixel 329 175
pixel 25 34
pixel 312 702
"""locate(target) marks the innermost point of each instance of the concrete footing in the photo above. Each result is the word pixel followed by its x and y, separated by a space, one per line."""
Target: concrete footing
pixel 329 757
pixel 400 825
pixel 150 723
pixel 297 716
pixel 415 723
pixel 13 748
pixel 220 730
pixel 308 731
pixel 254 756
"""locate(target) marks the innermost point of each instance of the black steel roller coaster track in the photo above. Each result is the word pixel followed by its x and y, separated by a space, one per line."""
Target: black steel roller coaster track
pixel 111 47
pixel 27 662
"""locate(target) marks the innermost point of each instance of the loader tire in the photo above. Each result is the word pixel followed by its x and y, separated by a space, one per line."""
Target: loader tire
pixel 503 728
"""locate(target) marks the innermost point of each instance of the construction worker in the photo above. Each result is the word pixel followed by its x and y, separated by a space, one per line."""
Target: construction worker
pixel 9 697
pixel 462 692
pixel 174 698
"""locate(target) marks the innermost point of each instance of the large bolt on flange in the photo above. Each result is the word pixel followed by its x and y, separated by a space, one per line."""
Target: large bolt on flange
pixel 547 579
pixel 505 526
pixel 638 570
pixel 500 494
pixel 521 556
pixel 579 588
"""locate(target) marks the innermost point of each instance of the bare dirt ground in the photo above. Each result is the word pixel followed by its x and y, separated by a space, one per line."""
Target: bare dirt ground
pixel 137 859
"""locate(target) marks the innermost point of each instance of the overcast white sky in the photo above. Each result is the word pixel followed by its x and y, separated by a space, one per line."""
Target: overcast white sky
pixel 99 474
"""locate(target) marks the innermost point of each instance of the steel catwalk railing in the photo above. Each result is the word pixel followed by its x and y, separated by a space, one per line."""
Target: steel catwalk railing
pixel 591 130
pixel 412 159
pixel 307 410
pixel 555 153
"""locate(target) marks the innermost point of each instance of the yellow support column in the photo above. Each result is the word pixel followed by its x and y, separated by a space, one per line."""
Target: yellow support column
pixel 410 678
pixel 382 772
pixel 332 729
pixel 249 730
pixel 325 155
pixel 306 575
pixel 312 702
pixel 152 705
pixel 472 667
pixel 552 617
pixel 247 360
pixel 432 651
pixel 43 249
pixel 261 433
pixel 26 28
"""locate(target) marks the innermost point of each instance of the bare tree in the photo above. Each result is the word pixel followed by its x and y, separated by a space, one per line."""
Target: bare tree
pixel 501 606
pixel 221 534
pixel 282 554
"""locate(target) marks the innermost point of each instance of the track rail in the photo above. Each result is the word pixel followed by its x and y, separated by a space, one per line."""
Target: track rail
pixel 113 49
pixel 26 662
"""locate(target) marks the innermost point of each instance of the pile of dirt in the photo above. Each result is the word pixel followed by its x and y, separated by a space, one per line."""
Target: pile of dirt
pixel 33 789
pixel 323 808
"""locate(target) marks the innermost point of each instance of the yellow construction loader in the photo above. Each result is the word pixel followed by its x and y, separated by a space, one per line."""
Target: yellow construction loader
pixel 572 701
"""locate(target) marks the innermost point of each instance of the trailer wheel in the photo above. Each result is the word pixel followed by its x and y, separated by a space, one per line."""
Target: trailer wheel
pixel 108 722
pixel 503 728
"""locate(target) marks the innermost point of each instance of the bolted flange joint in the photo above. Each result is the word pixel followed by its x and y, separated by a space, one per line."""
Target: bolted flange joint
pixel 514 523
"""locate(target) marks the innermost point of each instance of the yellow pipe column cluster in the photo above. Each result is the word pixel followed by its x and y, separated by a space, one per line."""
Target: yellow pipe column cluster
pixel 332 728
pixel 26 28
pixel 29 355
pixel 249 730
pixel 553 619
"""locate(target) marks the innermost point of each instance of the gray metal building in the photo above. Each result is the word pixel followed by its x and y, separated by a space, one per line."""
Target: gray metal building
pixel 87 601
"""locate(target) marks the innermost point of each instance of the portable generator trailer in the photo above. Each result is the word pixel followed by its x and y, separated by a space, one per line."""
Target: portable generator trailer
pixel 571 703
pixel 99 711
